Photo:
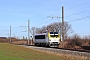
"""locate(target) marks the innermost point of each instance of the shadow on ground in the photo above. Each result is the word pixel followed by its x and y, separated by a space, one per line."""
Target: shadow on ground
pixel 86 47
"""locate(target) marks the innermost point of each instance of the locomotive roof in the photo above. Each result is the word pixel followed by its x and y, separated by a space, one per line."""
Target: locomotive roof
pixel 47 33
pixel 40 34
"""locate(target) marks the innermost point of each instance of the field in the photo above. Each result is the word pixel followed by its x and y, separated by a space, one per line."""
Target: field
pixel 12 52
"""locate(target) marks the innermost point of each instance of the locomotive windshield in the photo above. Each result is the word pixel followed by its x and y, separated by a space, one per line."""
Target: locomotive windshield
pixel 54 34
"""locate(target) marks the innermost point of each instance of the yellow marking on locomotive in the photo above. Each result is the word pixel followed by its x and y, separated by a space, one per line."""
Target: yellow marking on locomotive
pixel 53 37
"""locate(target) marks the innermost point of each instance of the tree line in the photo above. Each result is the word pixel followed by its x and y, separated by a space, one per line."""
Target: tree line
pixel 54 27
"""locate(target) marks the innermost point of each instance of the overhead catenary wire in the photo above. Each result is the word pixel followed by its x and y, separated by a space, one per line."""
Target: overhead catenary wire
pixel 43 23
pixel 48 15
pixel 66 10
pixel 78 5
pixel 43 18
pixel 68 21
pixel 79 19
pixel 78 13
pixel 68 16
pixel 49 20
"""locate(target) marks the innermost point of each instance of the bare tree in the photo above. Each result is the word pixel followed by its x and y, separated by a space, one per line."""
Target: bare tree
pixel 57 26
pixel 34 30
pixel 54 27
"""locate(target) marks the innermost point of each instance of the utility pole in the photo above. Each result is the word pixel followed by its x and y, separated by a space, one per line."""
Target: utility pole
pixel 62 27
pixel 10 34
pixel 28 32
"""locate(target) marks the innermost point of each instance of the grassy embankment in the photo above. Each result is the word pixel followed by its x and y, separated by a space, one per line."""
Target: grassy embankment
pixel 12 52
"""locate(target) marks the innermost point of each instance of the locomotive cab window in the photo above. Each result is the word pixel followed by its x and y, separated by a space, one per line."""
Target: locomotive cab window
pixel 40 37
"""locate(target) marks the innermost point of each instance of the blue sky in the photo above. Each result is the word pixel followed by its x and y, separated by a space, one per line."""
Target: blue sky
pixel 17 12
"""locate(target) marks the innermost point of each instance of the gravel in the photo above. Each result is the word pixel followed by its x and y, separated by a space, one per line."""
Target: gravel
pixel 60 51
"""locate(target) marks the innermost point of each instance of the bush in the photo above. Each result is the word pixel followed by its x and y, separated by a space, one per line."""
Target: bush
pixel 89 43
pixel 73 43
pixel 4 40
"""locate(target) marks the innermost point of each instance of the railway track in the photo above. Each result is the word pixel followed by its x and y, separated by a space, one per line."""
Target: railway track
pixel 80 53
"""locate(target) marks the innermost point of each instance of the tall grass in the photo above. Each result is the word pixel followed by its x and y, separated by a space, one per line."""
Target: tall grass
pixel 76 42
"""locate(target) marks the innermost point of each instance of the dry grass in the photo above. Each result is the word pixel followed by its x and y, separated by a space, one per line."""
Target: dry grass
pixel 21 42
pixel 65 56
pixel 12 52
pixel 72 43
